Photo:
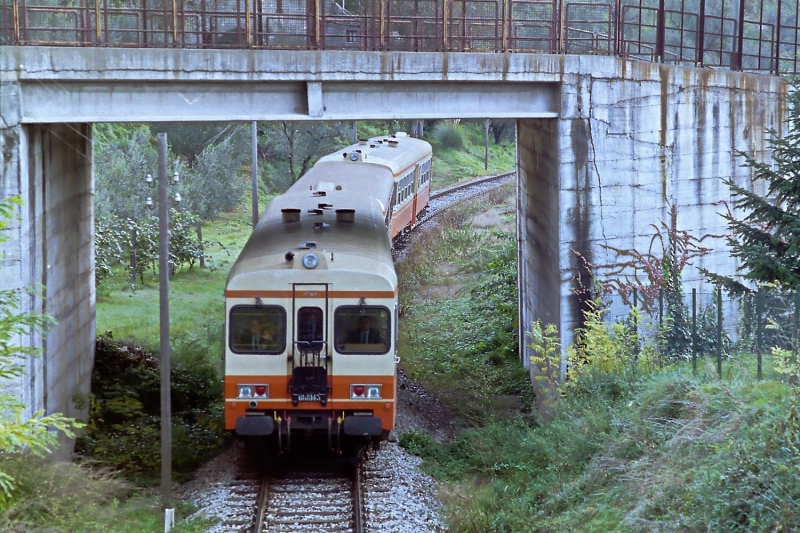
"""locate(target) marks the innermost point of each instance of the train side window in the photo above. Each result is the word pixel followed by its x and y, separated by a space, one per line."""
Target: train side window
pixel 362 330
pixel 257 330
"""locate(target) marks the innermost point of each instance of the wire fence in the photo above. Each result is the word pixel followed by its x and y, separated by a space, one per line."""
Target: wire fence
pixel 709 328
pixel 760 37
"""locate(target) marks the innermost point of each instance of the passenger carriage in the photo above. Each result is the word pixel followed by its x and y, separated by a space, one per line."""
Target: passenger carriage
pixel 311 302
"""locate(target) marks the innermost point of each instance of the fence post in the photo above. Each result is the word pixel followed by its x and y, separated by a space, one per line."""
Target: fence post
pixel 636 323
pixel 719 331
pixel 660 331
pixel 661 23
pixel 759 329
pixel 694 331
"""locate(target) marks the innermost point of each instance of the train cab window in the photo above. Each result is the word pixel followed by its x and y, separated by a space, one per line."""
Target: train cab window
pixel 362 330
pixel 258 330
pixel 310 324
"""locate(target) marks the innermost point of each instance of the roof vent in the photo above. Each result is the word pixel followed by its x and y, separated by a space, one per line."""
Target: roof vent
pixel 321 225
pixel 345 215
pixel 307 245
pixel 373 145
pixel 393 143
pixel 290 215
pixel 315 211
pixel 320 193
pixel 324 206
pixel 400 134
pixel 363 141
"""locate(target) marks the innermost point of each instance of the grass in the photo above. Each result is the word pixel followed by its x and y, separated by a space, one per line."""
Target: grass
pixel 74 498
pixel 651 450
pixel 197 304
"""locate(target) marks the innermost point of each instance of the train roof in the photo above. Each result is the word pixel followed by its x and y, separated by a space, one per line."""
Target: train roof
pixel 352 254
pixel 398 152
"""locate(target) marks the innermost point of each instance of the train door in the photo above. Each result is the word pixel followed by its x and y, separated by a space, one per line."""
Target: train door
pixel 309 358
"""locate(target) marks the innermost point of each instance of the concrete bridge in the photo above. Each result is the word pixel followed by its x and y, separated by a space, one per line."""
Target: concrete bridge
pixel 605 146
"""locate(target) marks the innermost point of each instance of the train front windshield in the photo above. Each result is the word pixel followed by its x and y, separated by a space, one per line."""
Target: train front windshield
pixel 256 329
pixel 362 330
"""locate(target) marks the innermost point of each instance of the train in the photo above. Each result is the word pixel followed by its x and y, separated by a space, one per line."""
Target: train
pixel 311 301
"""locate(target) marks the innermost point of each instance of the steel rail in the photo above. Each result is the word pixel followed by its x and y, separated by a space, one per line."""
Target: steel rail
pixel 476 183
pixel 358 514
pixel 261 509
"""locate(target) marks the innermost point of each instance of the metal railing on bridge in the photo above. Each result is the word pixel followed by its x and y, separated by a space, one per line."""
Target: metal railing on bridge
pixel 731 34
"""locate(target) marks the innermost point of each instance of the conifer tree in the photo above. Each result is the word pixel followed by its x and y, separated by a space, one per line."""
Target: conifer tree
pixel 767 239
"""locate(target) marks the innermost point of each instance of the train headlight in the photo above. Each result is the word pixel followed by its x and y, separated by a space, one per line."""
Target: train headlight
pixel 310 260
pixel 365 392
pixel 353 156
pixel 260 391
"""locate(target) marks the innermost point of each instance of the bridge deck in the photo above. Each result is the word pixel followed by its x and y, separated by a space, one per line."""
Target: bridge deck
pixel 759 37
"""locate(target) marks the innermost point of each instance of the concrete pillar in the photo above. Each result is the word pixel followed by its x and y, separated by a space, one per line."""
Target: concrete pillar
pixel 538 210
pixel 52 245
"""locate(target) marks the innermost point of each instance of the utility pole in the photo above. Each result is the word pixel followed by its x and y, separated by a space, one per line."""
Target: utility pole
pixel 254 172
pixel 163 287
pixel 486 145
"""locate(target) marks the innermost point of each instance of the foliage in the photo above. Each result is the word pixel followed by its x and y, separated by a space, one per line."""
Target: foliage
pixel 449 134
pixel 124 407
pixel 213 184
pixel 657 273
pixel 291 148
pixel 39 433
pixel 123 154
pixel 65 497
pixel 190 139
pixel 464 346
pixel 767 239
pixel 134 245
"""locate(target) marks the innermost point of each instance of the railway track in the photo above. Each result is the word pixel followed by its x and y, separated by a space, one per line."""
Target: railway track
pixel 324 499
pixel 444 199
pixel 301 493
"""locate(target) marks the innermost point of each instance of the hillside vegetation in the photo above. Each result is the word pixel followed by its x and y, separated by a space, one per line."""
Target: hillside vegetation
pixel 636 444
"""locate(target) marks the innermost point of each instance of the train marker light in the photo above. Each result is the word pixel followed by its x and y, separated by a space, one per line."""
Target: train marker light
pixel 259 391
pixel 365 392
pixel 310 260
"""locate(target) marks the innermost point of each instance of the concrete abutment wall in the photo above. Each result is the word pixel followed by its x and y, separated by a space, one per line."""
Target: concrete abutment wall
pixel 50 249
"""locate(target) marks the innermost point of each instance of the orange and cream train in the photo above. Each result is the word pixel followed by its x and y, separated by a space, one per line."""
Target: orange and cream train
pixel 311 301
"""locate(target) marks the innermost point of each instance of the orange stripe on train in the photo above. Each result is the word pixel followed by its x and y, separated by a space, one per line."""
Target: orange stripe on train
pixel 236 293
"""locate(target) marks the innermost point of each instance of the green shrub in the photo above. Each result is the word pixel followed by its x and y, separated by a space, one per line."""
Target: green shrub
pixel 61 497
pixel 449 134
pixel 124 412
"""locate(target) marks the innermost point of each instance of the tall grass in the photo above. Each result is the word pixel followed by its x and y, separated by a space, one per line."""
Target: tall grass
pixel 74 498
pixel 631 447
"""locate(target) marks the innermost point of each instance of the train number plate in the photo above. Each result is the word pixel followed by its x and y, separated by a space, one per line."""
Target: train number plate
pixel 309 397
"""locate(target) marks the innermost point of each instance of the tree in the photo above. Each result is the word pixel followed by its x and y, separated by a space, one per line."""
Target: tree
pixel 123 155
pixel 767 239
pixel 190 139
pixel 213 185
pixel 16 433
pixel 298 145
